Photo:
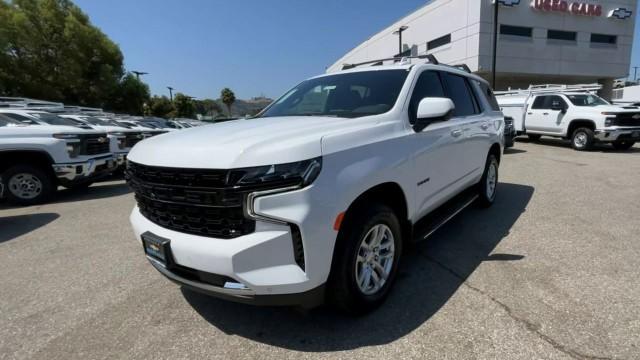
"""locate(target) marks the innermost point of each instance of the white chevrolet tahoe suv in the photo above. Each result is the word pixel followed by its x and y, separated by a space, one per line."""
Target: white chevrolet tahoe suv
pixel 581 117
pixel 317 196
pixel 35 159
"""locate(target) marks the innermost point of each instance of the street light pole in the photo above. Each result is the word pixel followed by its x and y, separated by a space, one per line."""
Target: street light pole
pixel 138 73
pixel 635 72
pixel 496 4
pixel 399 33
pixel 170 92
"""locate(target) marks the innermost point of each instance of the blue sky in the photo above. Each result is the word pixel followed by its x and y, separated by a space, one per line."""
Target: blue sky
pixel 253 47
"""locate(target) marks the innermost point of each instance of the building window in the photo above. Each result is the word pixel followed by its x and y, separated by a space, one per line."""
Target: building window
pixel 604 39
pixel 516 30
pixel 435 43
pixel 561 35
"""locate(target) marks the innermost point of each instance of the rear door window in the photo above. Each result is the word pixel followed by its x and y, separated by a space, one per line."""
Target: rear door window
pixel 458 90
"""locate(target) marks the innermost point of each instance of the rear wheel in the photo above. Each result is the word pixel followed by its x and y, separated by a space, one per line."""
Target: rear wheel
pixel 366 259
pixel 623 145
pixel 534 137
pixel 582 139
pixel 27 185
pixel 489 183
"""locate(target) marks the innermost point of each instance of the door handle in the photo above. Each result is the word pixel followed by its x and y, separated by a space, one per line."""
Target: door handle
pixel 484 126
pixel 545 113
pixel 456 133
pixel 529 113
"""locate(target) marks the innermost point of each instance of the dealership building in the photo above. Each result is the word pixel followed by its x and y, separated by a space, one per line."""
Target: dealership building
pixel 539 41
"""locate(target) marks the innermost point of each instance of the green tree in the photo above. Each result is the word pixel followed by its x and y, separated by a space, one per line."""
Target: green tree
pixel 130 96
pixel 228 98
pixel 207 107
pixel 50 50
pixel 184 106
pixel 160 106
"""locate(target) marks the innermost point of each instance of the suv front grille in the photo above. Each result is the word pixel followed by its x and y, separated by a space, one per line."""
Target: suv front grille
pixel 94 144
pixel 626 119
pixel 194 201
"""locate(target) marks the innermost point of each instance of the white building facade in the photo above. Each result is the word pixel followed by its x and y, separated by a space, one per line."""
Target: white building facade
pixel 539 41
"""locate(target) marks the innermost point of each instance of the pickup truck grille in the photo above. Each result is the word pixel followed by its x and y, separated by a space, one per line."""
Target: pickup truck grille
pixel 627 120
pixel 132 139
pixel 94 144
pixel 194 201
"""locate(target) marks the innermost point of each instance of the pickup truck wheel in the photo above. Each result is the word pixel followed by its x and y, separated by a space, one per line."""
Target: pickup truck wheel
pixel 489 182
pixel 27 185
pixel 366 260
pixel 623 145
pixel 534 137
pixel 582 139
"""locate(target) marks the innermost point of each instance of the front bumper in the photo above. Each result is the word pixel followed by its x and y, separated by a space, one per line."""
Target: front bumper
pixel 618 134
pixel 72 172
pixel 261 266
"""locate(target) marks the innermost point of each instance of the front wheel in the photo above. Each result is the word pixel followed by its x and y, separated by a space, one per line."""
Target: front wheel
pixel 489 182
pixel 623 145
pixel 582 139
pixel 366 259
pixel 27 185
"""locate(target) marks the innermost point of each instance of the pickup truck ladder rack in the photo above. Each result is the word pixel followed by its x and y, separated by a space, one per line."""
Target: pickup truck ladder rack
pixel 550 88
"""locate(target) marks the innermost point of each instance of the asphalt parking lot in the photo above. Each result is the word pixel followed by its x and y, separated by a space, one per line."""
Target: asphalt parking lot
pixel 551 271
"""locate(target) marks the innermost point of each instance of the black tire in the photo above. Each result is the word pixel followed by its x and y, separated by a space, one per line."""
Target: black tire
pixel 27 185
pixel 623 145
pixel 534 137
pixel 582 139
pixel 487 194
pixel 344 291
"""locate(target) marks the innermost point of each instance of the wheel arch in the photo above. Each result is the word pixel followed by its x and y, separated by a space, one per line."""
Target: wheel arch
pixel 10 158
pixel 576 123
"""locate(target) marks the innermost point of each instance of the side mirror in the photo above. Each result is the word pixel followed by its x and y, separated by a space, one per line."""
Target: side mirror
pixel 432 109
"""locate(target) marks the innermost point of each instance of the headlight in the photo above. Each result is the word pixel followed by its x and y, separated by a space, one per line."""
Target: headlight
pixel 301 173
pixel 608 121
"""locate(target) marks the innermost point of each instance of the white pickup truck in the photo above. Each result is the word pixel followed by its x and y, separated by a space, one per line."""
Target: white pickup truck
pixel 582 117
pixel 319 194
pixel 35 159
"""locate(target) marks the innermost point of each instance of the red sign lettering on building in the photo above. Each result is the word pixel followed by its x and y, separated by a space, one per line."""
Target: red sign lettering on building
pixel 576 8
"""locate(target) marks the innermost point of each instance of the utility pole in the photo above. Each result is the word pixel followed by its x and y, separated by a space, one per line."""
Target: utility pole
pixel 138 73
pixel 496 5
pixel 635 72
pixel 399 33
pixel 170 92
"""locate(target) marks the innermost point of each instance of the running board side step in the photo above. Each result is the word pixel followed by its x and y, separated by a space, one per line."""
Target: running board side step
pixel 428 225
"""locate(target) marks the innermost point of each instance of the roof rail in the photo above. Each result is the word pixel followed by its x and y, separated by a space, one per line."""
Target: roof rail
pixel 432 60
pixel 462 67
pixel 550 88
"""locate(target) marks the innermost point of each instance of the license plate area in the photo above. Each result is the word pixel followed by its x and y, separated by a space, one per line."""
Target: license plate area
pixel 157 248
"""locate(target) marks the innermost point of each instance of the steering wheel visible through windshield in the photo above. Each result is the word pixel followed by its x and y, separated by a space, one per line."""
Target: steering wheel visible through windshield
pixel 347 95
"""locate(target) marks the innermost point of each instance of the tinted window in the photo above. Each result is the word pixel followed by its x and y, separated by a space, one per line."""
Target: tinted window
pixel 23 119
pixel 604 39
pixel 548 102
pixel 488 95
pixel 457 89
pixel 561 35
pixel 7 121
pixel 428 85
pixel 443 40
pixel 516 30
pixel 587 100
pixel 346 95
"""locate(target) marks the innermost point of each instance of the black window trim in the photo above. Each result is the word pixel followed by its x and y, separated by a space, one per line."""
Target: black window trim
pixel 413 89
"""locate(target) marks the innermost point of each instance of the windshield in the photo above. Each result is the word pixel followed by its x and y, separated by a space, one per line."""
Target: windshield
pixel 54 119
pixel 347 95
pixel 587 100
pixel 7 121
pixel 101 122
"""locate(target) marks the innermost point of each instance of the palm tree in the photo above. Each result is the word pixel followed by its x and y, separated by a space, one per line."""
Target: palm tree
pixel 228 98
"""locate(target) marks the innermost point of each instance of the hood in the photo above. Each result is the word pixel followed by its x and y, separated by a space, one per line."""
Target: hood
pixel 240 143
pixel 43 130
pixel 618 109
